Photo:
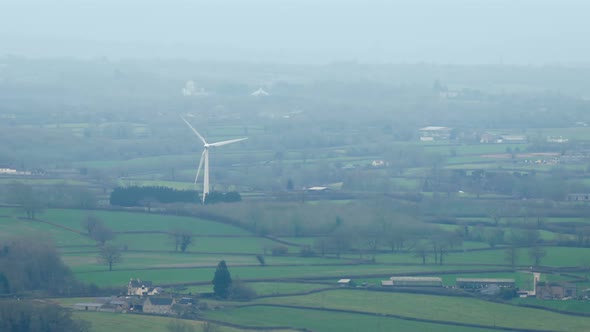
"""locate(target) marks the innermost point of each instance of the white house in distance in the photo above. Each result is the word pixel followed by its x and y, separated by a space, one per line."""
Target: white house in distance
pixel 260 93
pixel 435 133
pixel 141 288
pixel 190 89
pixel 9 171
pixel 557 139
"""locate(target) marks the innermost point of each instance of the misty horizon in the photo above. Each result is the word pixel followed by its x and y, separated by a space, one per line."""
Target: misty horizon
pixel 303 32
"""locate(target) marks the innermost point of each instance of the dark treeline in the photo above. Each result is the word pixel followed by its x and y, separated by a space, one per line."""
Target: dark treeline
pixel 31 316
pixel 220 197
pixel 32 265
pixel 144 196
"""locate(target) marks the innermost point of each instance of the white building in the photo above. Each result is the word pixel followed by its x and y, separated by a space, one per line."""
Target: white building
pixel 260 93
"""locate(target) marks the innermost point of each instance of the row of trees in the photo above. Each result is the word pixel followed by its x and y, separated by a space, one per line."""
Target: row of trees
pixel 145 196
pixel 35 316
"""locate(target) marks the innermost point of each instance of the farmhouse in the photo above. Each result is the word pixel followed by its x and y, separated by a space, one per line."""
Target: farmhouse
pixel 378 163
pixel 141 288
pixel 477 283
pixel 435 133
pixel 413 282
pixel 158 305
pixel 585 197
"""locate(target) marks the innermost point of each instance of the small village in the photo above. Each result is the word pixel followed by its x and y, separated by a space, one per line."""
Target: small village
pixel 145 298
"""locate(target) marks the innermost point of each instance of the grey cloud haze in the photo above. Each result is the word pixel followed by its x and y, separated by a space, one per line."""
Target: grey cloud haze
pixel 454 31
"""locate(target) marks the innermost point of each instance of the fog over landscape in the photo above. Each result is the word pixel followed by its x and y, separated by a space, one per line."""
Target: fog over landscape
pixel 305 31
pixel 294 166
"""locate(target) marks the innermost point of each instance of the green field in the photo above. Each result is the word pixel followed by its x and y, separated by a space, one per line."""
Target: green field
pixel 109 322
pixel 440 308
pixel 150 256
pixel 120 221
pixel 323 321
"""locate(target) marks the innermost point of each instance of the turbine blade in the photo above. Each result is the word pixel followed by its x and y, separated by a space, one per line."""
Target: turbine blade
pixel 228 142
pixel 200 166
pixel 194 130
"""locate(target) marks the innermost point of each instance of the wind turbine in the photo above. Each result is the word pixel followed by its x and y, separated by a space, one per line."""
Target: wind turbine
pixel 205 157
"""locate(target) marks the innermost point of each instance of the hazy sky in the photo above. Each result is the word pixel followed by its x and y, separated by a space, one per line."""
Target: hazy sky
pixel 302 31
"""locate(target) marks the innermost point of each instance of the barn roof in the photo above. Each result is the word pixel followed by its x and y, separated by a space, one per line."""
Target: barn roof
pixel 160 300
pixel 484 280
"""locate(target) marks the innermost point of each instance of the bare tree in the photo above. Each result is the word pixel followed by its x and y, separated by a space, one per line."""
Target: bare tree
pixel 90 223
pixel 102 234
pixel 109 255
pixel 511 255
pixel 537 253
pixel 512 252
pixel 97 230
pixel 182 239
pixel 26 198
pixel 421 251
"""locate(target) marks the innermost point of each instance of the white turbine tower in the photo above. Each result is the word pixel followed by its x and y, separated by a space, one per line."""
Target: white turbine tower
pixel 205 157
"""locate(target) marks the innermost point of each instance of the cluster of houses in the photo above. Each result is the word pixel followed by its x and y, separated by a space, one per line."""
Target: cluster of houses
pixel 13 171
pixel 440 133
pixel 141 297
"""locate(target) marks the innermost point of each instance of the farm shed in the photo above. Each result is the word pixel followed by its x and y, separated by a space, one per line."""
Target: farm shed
pixel 548 291
pixel 88 306
pixel 417 281
pixel 345 282
pixel 477 283
pixel 434 133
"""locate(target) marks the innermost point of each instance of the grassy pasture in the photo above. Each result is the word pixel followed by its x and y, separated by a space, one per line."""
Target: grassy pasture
pixel 250 245
pixel 326 321
pixel 474 149
pixel 556 256
pixel 444 308
pixel 265 288
pixel 198 265
pixel 108 322
pixel 405 184
pixel 43 181
pixel 140 163
pixel 574 306
pixel 86 262
pixel 188 275
pixel 12 227
pixel 120 221
pixel 580 221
